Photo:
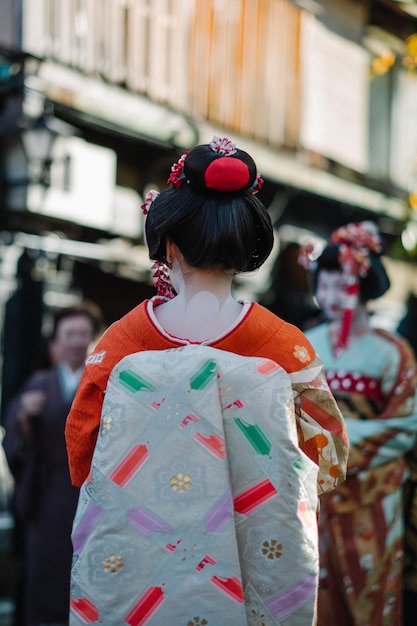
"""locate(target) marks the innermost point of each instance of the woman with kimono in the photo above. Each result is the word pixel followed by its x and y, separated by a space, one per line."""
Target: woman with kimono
pixel 372 374
pixel 188 406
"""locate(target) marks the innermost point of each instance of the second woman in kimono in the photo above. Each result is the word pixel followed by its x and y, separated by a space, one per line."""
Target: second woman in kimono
pixel 372 374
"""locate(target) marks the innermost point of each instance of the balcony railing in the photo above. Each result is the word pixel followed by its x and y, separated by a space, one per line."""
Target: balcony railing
pixel 232 62
pixel 267 70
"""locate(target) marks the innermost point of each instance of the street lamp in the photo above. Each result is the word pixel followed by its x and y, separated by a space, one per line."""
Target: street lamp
pixel 26 161
pixel 37 140
pixel 28 155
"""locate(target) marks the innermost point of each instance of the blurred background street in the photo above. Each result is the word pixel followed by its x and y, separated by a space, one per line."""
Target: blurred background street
pixel 99 97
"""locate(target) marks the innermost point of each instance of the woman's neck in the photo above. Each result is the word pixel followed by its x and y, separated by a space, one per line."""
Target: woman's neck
pixel 360 322
pixel 204 307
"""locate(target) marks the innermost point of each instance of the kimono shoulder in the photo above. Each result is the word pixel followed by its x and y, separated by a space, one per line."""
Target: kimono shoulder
pixel 132 333
pixel 264 334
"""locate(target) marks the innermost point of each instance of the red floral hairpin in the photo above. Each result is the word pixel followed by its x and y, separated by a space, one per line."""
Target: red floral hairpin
pixel 354 261
pixel 177 175
pixel 355 242
pixel 257 185
pixel 223 146
pixel 149 198
pixel 359 235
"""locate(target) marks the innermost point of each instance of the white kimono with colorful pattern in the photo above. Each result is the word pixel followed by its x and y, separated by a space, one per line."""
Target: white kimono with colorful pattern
pixel 200 508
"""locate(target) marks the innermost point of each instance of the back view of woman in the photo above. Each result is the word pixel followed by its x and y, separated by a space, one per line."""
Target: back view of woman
pixel 203 430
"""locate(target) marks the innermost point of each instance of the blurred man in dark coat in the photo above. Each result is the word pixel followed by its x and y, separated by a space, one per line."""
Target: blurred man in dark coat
pixel 45 500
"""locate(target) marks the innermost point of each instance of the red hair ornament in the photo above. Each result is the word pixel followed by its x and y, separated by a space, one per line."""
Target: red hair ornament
pixel 163 285
pixel 177 177
pixel 223 174
pixel 355 242
pixel 226 174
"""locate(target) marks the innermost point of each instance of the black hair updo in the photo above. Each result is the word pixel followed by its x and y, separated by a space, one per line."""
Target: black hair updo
pixel 212 214
pixel 371 286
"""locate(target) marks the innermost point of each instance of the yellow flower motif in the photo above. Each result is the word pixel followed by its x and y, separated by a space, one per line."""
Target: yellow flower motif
pixel 180 482
pixel 192 554
pixel 197 621
pixel 257 619
pixel 301 353
pixel 106 424
pixel 272 549
pixel 113 564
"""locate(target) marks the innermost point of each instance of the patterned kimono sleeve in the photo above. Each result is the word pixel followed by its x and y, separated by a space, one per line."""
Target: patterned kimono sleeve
pixel 81 429
pixel 401 395
pixel 392 431
pixel 83 421
pixel 321 428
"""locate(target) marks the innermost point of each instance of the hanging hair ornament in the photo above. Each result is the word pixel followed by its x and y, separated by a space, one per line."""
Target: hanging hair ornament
pixel 223 146
pixel 355 242
pixel 350 299
pixel 149 198
pixel 177 175
pixel 164 288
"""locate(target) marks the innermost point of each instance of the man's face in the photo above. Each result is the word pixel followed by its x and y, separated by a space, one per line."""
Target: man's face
pixel 73 337
pixel 330 293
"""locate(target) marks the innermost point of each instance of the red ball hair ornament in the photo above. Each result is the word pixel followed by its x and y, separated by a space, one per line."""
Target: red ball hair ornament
pixel 227 174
